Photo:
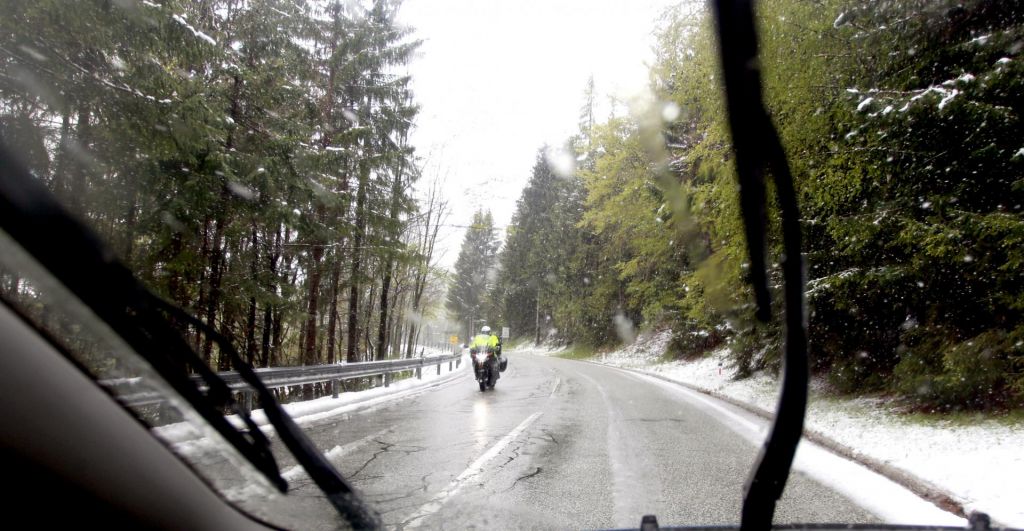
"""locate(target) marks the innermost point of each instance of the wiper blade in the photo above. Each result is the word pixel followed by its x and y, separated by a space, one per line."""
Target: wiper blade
pixel 79 260
pixel 338 491
pixel 758 148
pixel 75 256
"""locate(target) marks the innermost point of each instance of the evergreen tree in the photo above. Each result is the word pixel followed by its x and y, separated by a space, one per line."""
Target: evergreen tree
pixel 475 268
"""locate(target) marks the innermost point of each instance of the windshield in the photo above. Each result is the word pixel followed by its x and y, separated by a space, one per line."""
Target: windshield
pixel 495 260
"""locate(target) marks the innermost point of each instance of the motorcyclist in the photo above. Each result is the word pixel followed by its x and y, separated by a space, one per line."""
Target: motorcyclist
pixel 484 340
pixel 496 340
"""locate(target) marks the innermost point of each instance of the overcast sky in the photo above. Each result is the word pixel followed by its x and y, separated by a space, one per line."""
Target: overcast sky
pixel 496 80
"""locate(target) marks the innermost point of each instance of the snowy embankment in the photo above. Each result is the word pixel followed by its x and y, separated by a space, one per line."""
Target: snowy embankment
pixel 976 465
pixel 308 411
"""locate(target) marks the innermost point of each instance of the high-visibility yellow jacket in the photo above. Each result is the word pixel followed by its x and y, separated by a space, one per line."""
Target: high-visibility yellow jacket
pixel 481 341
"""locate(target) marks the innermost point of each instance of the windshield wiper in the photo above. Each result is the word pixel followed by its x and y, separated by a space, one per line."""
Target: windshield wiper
pixel 758 149
pixel 77 258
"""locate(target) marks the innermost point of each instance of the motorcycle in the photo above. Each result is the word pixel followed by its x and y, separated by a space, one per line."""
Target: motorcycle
pixel 485 366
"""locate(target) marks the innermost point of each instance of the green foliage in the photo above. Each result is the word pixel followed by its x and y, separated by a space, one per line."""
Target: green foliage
pixel 902 123
pixel 220 148
pixel 578 352
pixel 971 374
pixel 468 301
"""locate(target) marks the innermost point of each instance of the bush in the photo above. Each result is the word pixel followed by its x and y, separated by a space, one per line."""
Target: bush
pixel 971 374
pixel 690 341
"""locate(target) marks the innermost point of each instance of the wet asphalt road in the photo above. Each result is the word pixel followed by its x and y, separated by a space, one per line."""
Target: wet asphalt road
pixel 560 444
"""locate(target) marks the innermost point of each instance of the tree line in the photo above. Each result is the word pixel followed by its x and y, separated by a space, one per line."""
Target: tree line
pixel 903 125
pixel 248 160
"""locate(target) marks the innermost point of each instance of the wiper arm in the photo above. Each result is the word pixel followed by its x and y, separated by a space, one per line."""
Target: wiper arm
pixel 338 491
pixel 758 148
pixel 77 258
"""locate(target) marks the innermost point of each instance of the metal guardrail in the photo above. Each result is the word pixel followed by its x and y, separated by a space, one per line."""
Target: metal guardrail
pixel 135 392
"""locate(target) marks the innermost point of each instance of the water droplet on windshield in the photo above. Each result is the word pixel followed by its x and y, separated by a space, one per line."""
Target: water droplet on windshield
pixel 242 191
pixel 670 112
pixel 36 55
pixel 624 328
pixel 562 163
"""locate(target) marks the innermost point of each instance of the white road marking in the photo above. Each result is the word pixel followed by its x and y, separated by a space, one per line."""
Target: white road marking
pixel 474 468
pixel 555 387
pixel 888 500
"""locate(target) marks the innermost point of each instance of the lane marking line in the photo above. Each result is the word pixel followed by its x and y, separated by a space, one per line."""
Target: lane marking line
pixel 555 387
pixel 474 468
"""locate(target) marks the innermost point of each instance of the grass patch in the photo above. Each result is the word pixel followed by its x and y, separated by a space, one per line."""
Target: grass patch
pixel 1012 417
pixel 513 344
pixel 578 352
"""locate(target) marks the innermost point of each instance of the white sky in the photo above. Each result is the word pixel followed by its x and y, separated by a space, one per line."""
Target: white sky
pixel 497 80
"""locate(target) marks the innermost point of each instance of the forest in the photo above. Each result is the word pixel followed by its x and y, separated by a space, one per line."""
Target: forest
pixel 902 122
pixel 248 160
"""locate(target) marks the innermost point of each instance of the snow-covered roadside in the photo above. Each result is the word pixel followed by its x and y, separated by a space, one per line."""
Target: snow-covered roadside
pixel 538 350
pixel 978 465
pixel 184 434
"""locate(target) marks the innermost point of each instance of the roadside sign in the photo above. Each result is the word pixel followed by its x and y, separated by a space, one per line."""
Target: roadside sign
pixel 505 333
pixel 454 340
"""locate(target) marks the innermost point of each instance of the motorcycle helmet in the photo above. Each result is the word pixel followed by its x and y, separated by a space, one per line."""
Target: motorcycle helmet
pixel 485 330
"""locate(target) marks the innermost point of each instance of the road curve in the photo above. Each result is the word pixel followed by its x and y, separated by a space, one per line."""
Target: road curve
pixel 566 444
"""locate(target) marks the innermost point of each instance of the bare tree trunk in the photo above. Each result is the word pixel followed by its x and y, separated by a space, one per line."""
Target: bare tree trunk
pixel 268 310
pixel 332 323
pixel 220 221
pixel 536 319
pixel 382 325
pixel 214 294
pixel 357 254
pixel 309 350
pixel 78 185
pixel 277 339
pixel 227 320
pixel 204 252
pixel 370 304
pixel 250 323
pixel 436 210
pixel 60 172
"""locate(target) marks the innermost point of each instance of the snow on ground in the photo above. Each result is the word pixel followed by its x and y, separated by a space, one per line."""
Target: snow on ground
pixel 312 410
pixel 979 464
pixel 539 350
pixel 184 436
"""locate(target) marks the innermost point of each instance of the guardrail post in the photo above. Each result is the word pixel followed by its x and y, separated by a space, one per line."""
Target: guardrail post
pixel 334 388
pixel 387 379
pixel 439 369
pixel 246 401
pixel 449 365
pixel 419 372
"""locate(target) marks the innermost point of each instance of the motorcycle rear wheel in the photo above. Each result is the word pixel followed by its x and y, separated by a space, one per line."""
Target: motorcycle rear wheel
pixel 483 386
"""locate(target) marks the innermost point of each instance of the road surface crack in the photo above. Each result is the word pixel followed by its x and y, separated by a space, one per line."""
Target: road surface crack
pixel 515 455
pixel 520 478
pixel 667 419
pixel 547 438
pixel 386 446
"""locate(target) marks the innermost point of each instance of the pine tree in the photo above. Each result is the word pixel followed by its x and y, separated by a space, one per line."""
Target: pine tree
pixel 475 267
